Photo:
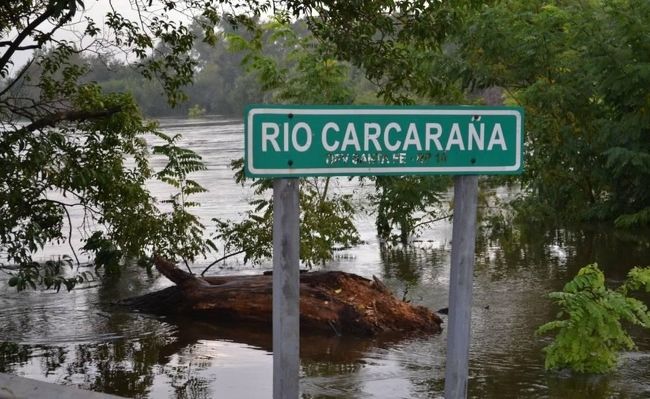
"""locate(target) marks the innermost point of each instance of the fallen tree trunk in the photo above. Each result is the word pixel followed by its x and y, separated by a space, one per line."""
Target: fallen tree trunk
pixel 335 302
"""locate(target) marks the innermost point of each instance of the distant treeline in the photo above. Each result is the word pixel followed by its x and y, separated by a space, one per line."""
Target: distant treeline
pixel 221 86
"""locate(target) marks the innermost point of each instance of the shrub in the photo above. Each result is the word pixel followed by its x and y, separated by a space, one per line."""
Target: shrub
pixel 589 329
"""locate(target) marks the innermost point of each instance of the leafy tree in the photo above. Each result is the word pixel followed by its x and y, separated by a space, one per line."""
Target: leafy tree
pixel 65 143
pixel 326 223
pixel 408 48
pixel 410 51
pixel 580 69
pixel 407 202
pixel 219 85
pixel 589 330
pixel 304 75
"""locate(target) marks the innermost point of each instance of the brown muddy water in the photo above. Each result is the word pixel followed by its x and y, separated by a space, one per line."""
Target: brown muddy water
pixel 78 339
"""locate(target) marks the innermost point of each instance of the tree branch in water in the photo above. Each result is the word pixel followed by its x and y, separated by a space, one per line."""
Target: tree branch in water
pixel 221 259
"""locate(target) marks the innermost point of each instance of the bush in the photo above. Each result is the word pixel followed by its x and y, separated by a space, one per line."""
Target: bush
pixel 589 330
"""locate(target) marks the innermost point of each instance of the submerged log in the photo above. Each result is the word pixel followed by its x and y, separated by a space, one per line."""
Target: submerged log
pixel 334 302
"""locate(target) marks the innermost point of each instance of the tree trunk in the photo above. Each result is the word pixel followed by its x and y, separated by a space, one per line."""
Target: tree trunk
pixel 334 302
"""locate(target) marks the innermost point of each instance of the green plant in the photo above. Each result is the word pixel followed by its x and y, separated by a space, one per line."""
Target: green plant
pixel 589 330
pixel 407 203
pixel 579 68
pixel 583 80
pixel 304 75
pixel 195 111
pixel 47 274
pixel 182 233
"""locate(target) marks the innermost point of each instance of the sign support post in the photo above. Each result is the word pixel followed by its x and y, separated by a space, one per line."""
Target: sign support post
pixel 286 289
pixel 463 243
pixel 285 142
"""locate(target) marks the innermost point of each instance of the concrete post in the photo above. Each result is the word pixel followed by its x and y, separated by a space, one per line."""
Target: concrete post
pixel 463 242
pixel 286 289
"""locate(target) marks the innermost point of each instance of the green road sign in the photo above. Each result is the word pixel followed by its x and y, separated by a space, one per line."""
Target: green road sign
pixel 292 141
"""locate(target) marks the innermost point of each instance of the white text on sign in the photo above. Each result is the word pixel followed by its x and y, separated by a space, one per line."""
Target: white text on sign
pixel 373 137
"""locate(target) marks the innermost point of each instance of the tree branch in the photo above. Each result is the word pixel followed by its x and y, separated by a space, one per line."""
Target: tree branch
pixel 327 184
pixel 65 206
pixel 15 44
pixel 70 235
pixel 18 77
pixel 221 259
pixel 432 221
pixel 69 116
pixel 28 47
pixel 40 37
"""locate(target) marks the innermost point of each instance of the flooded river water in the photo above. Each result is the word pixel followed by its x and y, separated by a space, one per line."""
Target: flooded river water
pixel 78 339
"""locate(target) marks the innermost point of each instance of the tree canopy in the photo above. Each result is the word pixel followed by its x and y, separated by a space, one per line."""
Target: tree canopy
pixel 582 72
pixel 69 139
pixel 579 69
pixel 65 143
